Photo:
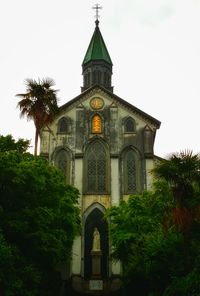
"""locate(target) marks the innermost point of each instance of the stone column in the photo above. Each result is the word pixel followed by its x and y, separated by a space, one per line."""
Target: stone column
pixel 115 195
pixel 115 181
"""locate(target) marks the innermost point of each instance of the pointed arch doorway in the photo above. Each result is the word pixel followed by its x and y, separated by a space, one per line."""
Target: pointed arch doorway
pixel 95 219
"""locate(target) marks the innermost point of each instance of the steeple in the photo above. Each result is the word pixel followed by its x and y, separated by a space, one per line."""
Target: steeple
pixel 97 64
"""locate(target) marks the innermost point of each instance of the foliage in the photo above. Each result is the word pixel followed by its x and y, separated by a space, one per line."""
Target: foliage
pixel 182 172
pixel 39 219
pixel 137 232
pixel 39 104
pixel 152 236
pixel 7 143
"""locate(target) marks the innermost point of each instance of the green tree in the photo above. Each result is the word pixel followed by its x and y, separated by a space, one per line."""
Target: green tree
pixel 39 104
pixel 156 235
pixel 39 219
pixel 7 143
pixel 138 236
pixel 182 172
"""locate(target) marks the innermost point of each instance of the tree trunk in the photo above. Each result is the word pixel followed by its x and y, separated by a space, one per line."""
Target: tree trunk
pixel 36 142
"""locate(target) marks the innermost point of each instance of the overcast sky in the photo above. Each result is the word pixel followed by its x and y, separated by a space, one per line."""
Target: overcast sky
pixel 154 46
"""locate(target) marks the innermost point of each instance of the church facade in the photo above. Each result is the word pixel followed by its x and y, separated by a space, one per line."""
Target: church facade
pixel 104 147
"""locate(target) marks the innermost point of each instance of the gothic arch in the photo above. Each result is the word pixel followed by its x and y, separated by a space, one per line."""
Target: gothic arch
pixel 96 124
pixel 131 170
pixel 91 208
pixel 64 125
pixel 129 124
pixel 93 218
pixel 62 158
pixel 100 122
pixel 96 168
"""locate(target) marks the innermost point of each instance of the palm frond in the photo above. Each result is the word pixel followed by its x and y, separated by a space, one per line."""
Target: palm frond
pixel 39 103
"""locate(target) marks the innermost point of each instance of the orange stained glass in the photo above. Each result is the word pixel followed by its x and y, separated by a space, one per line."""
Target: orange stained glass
pixel 96 124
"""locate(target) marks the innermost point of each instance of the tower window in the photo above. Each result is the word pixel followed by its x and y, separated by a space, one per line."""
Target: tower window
pixel 96 124
pixel 104 78
pixel 88 79
pixel 94 77
pixel 99 77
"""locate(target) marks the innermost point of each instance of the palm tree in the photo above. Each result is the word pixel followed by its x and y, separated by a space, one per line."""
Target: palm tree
pixel 182 173
pixel 39 104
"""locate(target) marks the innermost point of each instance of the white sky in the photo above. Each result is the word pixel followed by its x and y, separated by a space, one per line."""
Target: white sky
pixel 154 46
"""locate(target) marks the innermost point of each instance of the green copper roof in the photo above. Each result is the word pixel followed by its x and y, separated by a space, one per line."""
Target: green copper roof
pixel 97 49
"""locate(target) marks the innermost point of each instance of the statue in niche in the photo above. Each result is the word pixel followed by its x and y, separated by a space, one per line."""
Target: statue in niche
pixel 96 240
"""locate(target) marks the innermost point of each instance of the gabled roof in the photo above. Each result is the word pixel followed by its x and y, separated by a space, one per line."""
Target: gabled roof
pixel 97 49
pixel 115 97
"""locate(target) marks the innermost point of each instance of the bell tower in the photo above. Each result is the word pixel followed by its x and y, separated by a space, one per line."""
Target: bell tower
pixel 97 64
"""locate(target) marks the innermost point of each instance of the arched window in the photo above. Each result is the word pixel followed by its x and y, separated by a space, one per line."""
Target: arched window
pixel 88 79
pixel 95 77
pixel 96 124
pixel 104 78
pixel 129 125
pixel 64 125
pixel 96 169
pixel 62 161
pixel 129 172
pixel 99 77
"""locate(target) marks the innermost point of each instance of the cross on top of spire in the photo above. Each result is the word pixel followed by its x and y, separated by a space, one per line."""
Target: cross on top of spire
pixel 97 16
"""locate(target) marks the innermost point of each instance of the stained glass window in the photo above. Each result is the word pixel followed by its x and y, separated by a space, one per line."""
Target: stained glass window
pixel 96 168
pixel 129 172
pixel 96 124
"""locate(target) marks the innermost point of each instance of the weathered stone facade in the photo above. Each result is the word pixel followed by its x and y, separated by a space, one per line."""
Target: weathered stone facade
pixel 104 147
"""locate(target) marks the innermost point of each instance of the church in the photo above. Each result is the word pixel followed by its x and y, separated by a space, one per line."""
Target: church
pixel 105 147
